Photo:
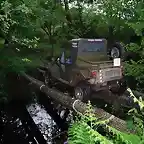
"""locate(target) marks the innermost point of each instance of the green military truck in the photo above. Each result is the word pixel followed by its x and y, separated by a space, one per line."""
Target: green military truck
pixel 88 67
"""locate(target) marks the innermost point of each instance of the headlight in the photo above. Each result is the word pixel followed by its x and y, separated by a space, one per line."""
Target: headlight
pixel 115 52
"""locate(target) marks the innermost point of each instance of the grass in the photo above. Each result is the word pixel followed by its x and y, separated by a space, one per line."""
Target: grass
pixel 134 139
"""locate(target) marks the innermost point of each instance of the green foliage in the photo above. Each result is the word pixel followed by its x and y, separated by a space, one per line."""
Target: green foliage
pixel 34 29
pixel 133 68
pixel 26 24
pixel 85 130
pixel 17 30
pixel 138 115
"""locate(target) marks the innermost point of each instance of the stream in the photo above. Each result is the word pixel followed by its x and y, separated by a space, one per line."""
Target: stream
pixel 49 129
pixel 43 120
pixel 13 131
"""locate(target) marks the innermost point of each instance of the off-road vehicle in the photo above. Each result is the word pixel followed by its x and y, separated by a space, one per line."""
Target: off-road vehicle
pixel 84 65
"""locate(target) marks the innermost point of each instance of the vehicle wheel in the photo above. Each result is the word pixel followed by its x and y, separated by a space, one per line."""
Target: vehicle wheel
pixel 82 92
pixel 116 51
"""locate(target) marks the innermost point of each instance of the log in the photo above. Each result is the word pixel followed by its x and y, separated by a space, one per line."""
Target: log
pixel 138 94
pixel 77 105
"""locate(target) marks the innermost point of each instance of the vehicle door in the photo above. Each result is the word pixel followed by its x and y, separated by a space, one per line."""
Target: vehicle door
pixel 65 65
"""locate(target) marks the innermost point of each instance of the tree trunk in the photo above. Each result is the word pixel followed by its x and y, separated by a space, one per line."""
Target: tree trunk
pixel 68 19
pixel 68 16
pixel 77 105
pixel 110 36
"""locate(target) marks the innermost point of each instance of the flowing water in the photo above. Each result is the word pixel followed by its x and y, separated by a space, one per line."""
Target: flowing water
pixel 12 130
pixel 43 120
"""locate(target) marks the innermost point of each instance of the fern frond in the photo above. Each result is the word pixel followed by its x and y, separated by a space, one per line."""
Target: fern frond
pixel 97 136
pixel 82 133
pixel 140 102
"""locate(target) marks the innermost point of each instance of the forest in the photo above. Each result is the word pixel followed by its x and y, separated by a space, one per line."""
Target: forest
pixel 31 31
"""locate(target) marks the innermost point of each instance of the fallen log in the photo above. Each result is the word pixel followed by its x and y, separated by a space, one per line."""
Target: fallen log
pixel 138 94
pixel 77 105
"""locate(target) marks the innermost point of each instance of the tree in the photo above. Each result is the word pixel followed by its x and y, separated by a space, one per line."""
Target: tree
pixel 136 68
pixel 19 34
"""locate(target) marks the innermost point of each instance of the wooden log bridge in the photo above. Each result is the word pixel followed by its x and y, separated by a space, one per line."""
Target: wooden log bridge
pixel 77 105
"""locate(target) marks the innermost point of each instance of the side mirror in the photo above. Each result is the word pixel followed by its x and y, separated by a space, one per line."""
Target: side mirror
pixel 58 60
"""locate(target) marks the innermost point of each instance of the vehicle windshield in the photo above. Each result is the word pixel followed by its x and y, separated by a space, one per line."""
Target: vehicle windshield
pixel 93 46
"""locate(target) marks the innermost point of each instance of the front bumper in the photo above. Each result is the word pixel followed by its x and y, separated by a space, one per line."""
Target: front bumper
pixel 113 86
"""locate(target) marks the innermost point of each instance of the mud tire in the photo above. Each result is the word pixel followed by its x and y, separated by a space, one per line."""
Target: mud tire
pixel 120 48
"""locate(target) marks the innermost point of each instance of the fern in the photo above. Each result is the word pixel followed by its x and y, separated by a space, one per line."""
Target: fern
pixel 81 133
pixel 138 116
pixel 85 131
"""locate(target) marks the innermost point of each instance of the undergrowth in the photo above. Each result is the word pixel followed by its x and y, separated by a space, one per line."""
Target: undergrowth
pixel 88 129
